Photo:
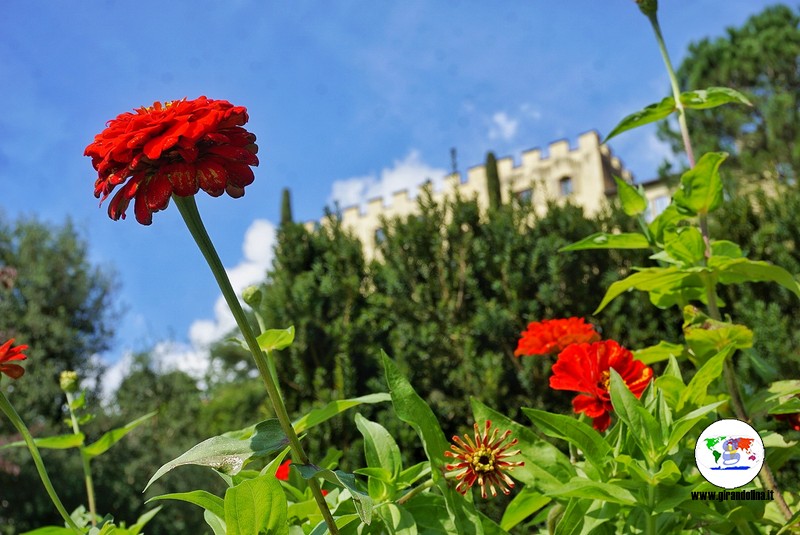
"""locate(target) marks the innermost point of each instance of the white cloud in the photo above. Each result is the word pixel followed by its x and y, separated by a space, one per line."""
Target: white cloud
pixel 407 173
pixel 193 358
pixel 642 153
pixel 503 127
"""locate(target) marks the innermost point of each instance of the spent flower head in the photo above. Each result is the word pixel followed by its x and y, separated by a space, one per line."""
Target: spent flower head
pixel 483 461
pixel 9 354
pixel 585 368
pixel 551 336
pixel 175 148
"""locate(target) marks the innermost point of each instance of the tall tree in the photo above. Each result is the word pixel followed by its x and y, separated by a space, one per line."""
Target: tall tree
pixel 492 181
pixel 286 207
pixel 761 60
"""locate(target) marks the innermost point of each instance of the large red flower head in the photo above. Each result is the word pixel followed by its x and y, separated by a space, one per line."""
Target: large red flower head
pixel 585 368
pixel 176 148
pixel 551 336
pixel 8 354
pixel 483 461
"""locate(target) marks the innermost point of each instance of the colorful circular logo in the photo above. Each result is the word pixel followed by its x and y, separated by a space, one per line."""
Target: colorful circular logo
pixel 729 453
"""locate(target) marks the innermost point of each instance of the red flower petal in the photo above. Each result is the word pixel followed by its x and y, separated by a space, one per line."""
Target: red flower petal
pixel 552 336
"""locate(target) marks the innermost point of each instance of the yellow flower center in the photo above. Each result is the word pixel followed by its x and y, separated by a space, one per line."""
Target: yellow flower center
pixel 483 460
pixel 605 379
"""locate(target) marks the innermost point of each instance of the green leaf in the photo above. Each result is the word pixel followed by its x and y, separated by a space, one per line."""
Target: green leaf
pixel 580 487
pixel 397 520
pixel 256 507
pixel 701 187
pixel 228 455
pixel 604 240
pixel 524 504
pixel 430 513
pixel 644 428
pixel 380 448
pixel 361 500
pixel 104 443
pixel 413 410
pixel 584 437
pixel 545 466
pixel 686 245
pixel 317 416
pixel 790 407
pixel 650 114
pixel 143 519
pixel 631 198
pixel 712 97
pixel 686 423
pixel 711 337
pixel 50 530
pixel 276 339
pixel 696 390
pixel 58 442
pixel 216 523
pixel 78 402
pixel 732 271
pixel 726 248
pixel 666 220
pixel 571 521
pixel 201 498
pixel 341 521
pixel 645 280
pixel 658 352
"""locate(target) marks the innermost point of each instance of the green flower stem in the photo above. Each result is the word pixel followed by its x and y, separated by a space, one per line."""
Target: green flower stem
pixel 766 476
pixel 191 216
pixel 415 491
pixel 676 92
pixel 9 411
pixel 87 469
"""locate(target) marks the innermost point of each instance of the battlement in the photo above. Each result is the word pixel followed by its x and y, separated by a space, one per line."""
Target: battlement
pixel 582 173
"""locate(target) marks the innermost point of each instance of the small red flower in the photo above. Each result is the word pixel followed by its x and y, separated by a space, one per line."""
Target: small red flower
pixel 585 368
pixel 483 461
pixel 552 336
pixel 793 419
pixel 283 470
pixel 176 148
pixel 7 354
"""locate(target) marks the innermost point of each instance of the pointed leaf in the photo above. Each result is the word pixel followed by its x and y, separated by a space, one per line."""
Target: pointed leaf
pixel 276 339
pixel 701 187
pixel 712 97
pixel 604 240
pixel 659 352
pixel 361 500
pixel 736 270
pixel 696 390
pixel 380 448
pixel 594 447
pixel 228 455
pixel 110 438
pixel 58 442
pixel 397 520
pixel 631 198
pixel 595 490
pixel 317 416
pixel 645 430
pixel 256 507
pixel 646 280
pixel 201 498
pixel 524 504
pixel 413 410
pixel 650 114
pixel 683 425
pixel 216 523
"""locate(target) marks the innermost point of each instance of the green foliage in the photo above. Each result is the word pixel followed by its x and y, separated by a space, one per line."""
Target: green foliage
pixel 758 59
pixel 492 181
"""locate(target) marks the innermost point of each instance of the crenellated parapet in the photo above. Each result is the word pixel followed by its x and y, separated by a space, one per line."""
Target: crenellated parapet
pixel 583 174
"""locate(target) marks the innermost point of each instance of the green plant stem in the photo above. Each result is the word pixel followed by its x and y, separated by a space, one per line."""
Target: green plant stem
pixel 651 518
pixel 766 476
pixel 9 411
pixel 419 489
pixel 676 92
pixel 191 216
pixel 87 469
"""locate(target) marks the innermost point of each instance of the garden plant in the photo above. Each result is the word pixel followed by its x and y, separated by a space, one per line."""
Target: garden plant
pixel 623 462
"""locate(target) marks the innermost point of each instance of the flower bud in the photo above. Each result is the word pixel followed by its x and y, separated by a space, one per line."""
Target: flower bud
pixel 68 381
pixel 648 7
pixel 252 296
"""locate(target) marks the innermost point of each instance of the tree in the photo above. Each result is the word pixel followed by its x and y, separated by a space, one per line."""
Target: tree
pixel 286 207
pixel 760 59
pixel 492 181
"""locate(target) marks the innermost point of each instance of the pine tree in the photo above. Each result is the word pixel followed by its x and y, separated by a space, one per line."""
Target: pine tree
pixel 286 207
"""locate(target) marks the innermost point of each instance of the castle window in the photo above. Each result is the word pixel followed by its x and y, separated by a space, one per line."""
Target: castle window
pixel 380 236
pixel 565 186
pixel 525 196
pixel 655 207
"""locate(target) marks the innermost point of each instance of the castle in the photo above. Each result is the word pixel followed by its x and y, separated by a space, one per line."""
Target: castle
pixel 584 175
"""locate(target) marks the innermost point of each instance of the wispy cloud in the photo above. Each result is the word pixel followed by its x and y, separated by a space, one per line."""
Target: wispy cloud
pixel 193 357
pixel 503 126
pixel 408 173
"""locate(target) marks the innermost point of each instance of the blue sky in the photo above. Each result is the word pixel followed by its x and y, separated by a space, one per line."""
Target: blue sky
pixel 349 99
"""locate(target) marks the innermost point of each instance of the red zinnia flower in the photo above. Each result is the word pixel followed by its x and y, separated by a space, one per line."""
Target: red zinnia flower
pixel 283 470
pixel 482 461
pixel 174 148
pixel 551 336
pixel 585 368
pixel 792 418
pixel 7 354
